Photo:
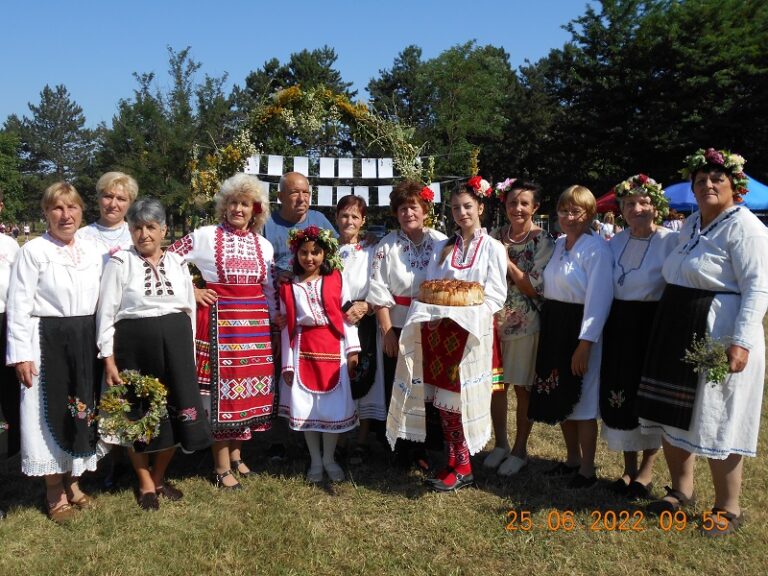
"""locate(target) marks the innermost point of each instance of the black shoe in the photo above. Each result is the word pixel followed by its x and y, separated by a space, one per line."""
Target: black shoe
pixel 148 501
pixel 236 468
pixel 462 481
pixel 277 453
pixel 578 482
pixel 169 492
pixel 638 491
pixel 562 469
pixel 619 487
pixel 218 481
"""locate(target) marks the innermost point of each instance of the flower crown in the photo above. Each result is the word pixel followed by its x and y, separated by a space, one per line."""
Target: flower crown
pixel 643 185
pixel 502 188
pixel 482 188
pixel 731 163
pixel 322 236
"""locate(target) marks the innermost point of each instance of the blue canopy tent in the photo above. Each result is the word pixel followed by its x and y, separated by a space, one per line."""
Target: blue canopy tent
pixel 681 196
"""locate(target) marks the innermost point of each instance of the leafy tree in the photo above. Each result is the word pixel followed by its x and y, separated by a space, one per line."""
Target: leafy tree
pixel 10 179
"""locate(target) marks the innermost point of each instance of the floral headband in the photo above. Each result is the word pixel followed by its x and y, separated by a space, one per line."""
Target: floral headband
pixel 731 163
pixel 502 188
pixel 643 185
pixel 481 188
pixel 322 236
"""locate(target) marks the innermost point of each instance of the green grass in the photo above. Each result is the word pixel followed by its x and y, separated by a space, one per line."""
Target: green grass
pixel 382 521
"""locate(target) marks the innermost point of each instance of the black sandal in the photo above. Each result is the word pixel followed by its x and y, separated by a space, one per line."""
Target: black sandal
pixel 218 481
pixel 236 468
pixel 731 524
pixel 657 507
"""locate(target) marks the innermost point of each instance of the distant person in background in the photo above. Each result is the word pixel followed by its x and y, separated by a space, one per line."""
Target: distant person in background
pixel 115 192
pixel 26 232
pixel 607 227
pixel 674 220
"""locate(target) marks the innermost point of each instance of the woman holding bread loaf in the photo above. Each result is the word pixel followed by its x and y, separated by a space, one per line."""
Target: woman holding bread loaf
pixel 459 357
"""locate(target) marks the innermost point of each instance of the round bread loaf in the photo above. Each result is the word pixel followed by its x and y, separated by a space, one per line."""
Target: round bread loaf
pixel 451 293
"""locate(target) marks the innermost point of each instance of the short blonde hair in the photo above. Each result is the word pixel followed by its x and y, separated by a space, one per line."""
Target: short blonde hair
pixel 58 191
pixel 579 196
pixel 249 187
pixel 111 180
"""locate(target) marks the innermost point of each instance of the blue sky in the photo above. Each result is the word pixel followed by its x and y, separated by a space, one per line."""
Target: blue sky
pixel 93 47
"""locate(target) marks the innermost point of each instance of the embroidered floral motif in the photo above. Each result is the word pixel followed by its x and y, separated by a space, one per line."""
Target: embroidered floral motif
pixel 617 398
pixel 239 259
pixel 188 415
pixel 548 384
pixel 78 409
pixel 182 246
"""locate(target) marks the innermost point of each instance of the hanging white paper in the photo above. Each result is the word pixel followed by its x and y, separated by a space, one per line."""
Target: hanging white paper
pixel 327 167
pixel 275 165
pixel 301 165
pixel 435 186
pixel 252 165
pixel 345 168
pixel 343 191
pixel 325 195
pixel 385 167
pixel 384 192
pixel 368 166
pixel 362 191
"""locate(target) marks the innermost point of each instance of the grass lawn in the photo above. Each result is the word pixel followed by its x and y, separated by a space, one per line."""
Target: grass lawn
pixel 381 521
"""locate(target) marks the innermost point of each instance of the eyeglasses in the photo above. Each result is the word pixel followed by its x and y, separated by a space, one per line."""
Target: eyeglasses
pixel 572 213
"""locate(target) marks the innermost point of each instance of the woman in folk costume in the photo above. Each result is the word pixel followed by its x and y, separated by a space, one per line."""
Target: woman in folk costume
pixel 456 349
pixel 233 343
pixel 320 349
pixel 398 269
pixel 638 254
pixel 144 323
pixel 717 288
pixel 356 258
pixel 578 293
pixel 52 299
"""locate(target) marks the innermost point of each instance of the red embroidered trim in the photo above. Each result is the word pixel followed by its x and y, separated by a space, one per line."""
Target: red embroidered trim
pixel 455 264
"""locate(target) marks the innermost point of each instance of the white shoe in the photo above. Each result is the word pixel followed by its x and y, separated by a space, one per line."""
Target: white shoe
pixel 315 474
pixel 335 473
pixel 512 466
pixel 495 457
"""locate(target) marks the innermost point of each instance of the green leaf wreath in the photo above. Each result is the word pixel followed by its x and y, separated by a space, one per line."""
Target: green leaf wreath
pixel 114 409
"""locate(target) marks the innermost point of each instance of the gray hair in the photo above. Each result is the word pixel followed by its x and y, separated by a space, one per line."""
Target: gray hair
pixel 146 210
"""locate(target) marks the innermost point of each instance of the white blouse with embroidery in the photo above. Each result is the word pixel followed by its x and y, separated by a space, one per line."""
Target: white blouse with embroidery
pixel 484 260
pixel 357 260
pixel 107 240
pixel 49 279
pixel 398 269
pixel 638 262
pixel 9 249
pixel 133 288
pixel 229 256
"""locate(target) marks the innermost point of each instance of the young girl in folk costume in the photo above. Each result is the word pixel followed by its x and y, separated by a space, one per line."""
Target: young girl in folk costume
pixel 458 348
pixel 320 349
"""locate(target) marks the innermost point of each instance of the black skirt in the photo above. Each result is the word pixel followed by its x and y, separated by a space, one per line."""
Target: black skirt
pixel 556 390
pixel 668 385
pixel 366 367
pixel 625 340
pixel 163 347
pixel 70 374
pixel 9 400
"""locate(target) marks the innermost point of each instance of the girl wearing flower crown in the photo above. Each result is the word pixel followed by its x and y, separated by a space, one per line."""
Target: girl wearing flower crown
pixel 320 349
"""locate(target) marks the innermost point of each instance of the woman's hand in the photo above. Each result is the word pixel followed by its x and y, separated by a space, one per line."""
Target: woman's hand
pixel 738 357
pixel 280 320
pixel 205 296
pixel 390 342
pixel 357 311
pixel 580 358
pixel 288 377
pixel 25 371
pixel 111 373
pixel 352 361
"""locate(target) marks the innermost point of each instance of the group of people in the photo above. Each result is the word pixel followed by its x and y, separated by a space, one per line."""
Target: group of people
pixel 291 318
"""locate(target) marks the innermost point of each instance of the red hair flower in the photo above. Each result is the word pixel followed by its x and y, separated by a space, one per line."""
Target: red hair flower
pixel 427 194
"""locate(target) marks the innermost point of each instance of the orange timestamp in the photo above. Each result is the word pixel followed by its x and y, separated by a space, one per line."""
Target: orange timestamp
pixel 598 521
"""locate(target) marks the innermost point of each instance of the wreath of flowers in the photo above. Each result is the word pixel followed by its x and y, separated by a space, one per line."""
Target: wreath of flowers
pixel 643 185
pixel 481 187
pixel 115 407
pixel 322 236
pixel 502 188
pixel 730 162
